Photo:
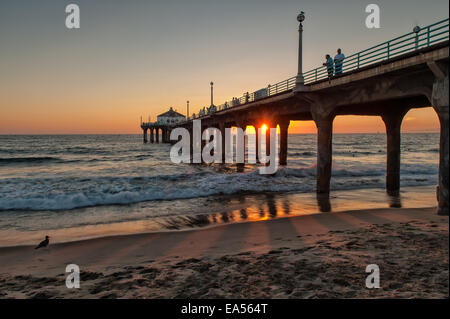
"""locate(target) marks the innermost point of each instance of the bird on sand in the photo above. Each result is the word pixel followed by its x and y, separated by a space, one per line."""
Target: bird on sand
pixel 43 243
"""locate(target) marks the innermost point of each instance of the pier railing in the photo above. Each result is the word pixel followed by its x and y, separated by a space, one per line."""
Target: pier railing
pixel 410 42
pixel 418 39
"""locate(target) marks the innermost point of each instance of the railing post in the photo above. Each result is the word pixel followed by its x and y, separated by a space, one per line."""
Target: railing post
pixel 388 50
pixel 416 30
pixel 358 59
pixel 428 36
pixel 316 74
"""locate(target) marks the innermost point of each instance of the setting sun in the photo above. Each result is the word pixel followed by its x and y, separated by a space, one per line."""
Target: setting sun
pixel 264 128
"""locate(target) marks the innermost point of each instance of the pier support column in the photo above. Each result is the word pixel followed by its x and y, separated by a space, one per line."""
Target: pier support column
pixel 164 135
pixel 240 166
pixel 324 153
pixel 169 130
pixel 284 125
pixel 168 135
pixel 191 142
pixel 203 142
pixel 257 142
pixel 144 131
pixel 152 136
pixel 269 126
pixel 440 101
pixel 268 146
pixel 157 135
pixel 393 123
pixel 223 132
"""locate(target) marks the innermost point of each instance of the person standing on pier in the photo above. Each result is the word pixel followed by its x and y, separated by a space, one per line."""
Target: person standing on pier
pixel 338 60
pixel 330 65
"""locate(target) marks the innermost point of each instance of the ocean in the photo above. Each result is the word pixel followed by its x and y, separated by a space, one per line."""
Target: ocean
pixel 74 187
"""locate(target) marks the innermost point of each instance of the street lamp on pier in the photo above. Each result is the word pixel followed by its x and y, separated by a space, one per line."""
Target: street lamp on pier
pixel 299 80
pixel 187 110
pixel 416 30
pixel 212 93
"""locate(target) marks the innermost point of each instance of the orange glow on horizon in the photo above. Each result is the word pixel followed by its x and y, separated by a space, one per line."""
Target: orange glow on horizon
pixel 94 119
pixel 416 120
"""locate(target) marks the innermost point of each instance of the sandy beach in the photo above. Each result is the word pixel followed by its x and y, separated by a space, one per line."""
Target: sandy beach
pixel 313 256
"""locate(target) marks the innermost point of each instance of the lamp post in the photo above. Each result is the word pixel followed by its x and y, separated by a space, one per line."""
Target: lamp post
pixel 212 92
pixel 187 110
pixel 299 80
pixel 416 30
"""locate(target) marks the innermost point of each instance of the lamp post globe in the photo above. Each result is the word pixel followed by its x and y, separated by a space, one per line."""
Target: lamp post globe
pixel 301 17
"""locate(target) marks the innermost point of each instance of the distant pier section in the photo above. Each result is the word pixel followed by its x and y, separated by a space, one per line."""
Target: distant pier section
pixel 160 130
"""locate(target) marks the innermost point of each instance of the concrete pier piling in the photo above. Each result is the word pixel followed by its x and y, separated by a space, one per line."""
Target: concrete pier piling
pixel 158 133
pixel 284 125
pixel 440 101
pixel 257 137
pixel 324 153
pixel 144 132
pixel 393 123
pixel 152 136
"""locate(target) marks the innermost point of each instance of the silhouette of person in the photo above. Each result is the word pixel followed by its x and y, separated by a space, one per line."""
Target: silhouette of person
pixel 338 61
pixel 329 64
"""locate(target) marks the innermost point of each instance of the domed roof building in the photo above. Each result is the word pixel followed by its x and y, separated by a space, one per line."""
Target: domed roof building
pixel 170 117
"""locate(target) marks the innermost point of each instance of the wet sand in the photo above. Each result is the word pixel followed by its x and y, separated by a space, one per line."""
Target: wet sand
pixel 210 211
pixel 313 256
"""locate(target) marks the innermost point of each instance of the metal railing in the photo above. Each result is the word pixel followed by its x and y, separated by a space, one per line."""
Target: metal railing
pixel 410 42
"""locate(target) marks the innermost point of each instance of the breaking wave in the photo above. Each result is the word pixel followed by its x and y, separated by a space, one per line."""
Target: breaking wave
pixel 63 194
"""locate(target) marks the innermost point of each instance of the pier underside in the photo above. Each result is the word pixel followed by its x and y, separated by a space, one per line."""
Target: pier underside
pixel 388 90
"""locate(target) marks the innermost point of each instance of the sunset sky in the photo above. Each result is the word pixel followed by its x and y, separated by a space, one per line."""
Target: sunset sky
pixel 137 58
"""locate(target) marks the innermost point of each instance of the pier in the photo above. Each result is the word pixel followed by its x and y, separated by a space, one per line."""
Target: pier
pixel 387 80
pixel 160 130
pixel 159 133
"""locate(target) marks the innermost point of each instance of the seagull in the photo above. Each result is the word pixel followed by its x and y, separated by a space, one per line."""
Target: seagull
pixel 43 243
